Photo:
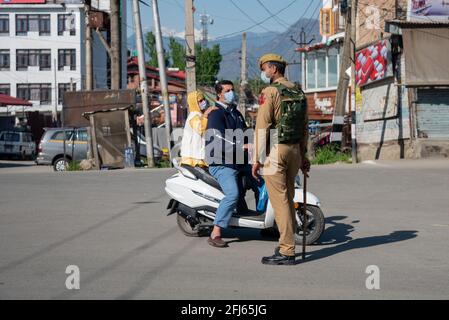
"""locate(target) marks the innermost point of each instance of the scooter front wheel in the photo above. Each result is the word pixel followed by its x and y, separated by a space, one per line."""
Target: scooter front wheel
pixel 315 225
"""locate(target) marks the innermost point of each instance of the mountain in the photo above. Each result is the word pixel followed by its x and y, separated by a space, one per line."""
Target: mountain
pixel 226 44
pixel 257 45
pixel 280 44
pixel 235 42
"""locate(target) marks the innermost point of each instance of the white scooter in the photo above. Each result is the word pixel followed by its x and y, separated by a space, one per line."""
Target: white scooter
pixel 195 196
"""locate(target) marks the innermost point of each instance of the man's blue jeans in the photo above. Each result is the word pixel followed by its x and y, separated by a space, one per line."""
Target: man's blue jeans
pixel 228 180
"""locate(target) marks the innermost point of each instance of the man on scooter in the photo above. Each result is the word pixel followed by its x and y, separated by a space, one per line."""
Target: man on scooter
pixel 222 153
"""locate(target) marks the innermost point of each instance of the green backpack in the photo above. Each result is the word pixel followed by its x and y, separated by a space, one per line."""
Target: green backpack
pixel 293 122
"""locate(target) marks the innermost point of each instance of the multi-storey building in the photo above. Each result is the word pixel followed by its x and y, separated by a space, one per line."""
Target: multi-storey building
pixel 321 67
pixel 42 51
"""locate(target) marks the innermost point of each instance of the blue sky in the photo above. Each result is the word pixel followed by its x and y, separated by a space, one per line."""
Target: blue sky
pixel 227 18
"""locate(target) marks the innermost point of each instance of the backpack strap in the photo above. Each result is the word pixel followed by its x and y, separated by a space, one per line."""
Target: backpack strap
pixel 278 86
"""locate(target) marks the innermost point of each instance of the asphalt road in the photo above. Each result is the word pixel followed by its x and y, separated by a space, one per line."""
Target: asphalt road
pixel 113 226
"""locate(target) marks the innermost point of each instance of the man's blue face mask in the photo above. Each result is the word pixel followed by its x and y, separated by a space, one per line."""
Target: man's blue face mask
pixel 229 97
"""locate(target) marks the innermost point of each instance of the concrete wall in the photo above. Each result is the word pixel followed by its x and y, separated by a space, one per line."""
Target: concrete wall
pixel 371 16
pixel 383 121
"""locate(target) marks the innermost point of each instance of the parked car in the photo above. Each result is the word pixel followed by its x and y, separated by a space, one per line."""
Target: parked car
pixel 51 147
pixel 18 144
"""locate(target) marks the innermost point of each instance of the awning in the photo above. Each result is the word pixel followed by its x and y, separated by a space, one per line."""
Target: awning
pixel 6 100
pixel 426 61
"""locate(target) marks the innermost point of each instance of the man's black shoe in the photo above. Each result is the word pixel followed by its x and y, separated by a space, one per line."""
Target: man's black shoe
pixel 279 259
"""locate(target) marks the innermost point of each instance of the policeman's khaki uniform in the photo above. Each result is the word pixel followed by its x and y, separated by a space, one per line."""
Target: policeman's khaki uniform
pixel 280 166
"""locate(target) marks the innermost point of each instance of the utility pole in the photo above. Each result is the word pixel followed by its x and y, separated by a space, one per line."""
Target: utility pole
pixel 88 47
pixel 55 86
pixel 243 80
pixel 302 42
pixel 115 45
pixel 190 48
pixel 302 65
pixel 343 81
pixel 354 8
pixel 162 73
pixel 143 84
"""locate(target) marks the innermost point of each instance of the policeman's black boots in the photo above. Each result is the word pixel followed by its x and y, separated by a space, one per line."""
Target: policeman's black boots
pixel 279 259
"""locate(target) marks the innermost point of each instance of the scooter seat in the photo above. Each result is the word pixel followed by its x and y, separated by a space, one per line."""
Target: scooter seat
pixel 203 175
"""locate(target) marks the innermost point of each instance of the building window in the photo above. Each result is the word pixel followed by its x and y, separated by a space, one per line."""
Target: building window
pixel 45 60
pixel 332 65
pixel 35 92
pixel 4 60
pixel 5 88
pixel 33 22
pixel 63 87
pixel 322 69
pixel 311 79
pixel 4 24
pixel 66 57
pixel 36 57
pixel 66 22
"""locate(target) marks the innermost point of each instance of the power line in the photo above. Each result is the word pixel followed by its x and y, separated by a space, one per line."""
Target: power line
pixel 302 16
pixel 257 24
pixel 246 15
pixel 281 22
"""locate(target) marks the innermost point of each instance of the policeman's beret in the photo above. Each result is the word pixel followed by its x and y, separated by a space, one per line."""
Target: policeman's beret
pixel 271 57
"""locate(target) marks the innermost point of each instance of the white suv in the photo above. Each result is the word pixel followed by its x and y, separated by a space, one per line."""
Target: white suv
pixel 17 144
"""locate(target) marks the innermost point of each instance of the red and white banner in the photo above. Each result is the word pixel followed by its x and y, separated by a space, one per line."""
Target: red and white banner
pixel 373 63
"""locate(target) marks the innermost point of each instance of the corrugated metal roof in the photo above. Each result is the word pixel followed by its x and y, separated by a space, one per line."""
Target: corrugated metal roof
pixel 429 23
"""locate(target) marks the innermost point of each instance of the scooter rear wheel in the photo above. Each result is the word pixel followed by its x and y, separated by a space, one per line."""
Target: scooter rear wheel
pixel 186 228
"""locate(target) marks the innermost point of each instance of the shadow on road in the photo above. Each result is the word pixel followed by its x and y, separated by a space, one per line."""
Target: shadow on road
pixel 359 243
pixel 337 232
pixel 16 164
pixel 334 234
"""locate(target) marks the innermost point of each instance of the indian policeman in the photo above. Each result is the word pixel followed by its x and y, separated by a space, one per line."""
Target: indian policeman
pixel 281 130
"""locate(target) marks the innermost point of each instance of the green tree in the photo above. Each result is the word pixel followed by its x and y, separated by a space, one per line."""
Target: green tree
pixel 151 51
pixel 177 54
pixel 207 64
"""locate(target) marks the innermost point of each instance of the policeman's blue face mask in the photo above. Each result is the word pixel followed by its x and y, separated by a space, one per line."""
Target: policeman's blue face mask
pixel 229 97
pixel 264 78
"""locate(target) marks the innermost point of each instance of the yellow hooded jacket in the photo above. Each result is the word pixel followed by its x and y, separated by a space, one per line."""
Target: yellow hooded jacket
pixel 193 144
